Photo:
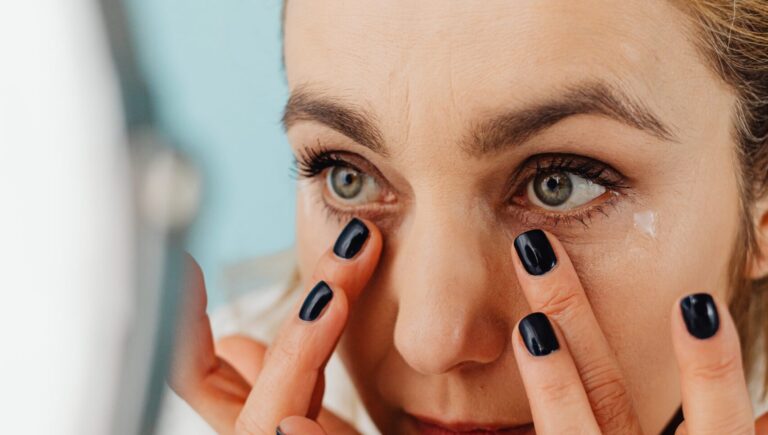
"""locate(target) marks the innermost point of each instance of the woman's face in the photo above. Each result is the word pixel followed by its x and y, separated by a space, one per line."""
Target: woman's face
pixel 455 126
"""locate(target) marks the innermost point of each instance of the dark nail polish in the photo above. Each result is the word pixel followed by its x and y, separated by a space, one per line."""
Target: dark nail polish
pixel 280 431
pixel 351 239
pixel 538 335
pixel 316 300
pixel 700 315
pixel 535 252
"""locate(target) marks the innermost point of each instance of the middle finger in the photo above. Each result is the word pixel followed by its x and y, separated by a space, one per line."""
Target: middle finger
pixel 550 285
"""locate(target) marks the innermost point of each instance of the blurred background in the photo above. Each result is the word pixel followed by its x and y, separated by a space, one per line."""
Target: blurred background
pixel 98 194
pixel 214 70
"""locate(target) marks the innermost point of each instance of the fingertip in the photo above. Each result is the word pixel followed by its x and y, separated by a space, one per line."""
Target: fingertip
pixel 704 336
pixel 349 263
pixel 537 253
pixel 701 316
pixel 375 238
pixel 539 334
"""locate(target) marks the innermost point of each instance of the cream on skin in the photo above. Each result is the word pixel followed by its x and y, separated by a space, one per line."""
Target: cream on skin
pixel 430 333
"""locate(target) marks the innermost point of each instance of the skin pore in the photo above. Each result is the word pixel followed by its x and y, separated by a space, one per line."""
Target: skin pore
pixel 463 104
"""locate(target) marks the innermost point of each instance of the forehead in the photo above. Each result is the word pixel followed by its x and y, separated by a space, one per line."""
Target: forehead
pixel 435 59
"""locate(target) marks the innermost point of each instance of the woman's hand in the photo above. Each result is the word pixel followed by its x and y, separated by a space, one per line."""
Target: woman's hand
pixel 258 386
pixel 571 378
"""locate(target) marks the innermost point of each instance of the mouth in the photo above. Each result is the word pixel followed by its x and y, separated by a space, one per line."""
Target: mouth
pixel 432 426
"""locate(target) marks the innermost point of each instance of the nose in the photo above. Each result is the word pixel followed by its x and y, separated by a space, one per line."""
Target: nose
pixel 453 284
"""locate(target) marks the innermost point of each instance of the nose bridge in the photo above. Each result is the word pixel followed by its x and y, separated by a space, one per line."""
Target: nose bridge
pixel 446 313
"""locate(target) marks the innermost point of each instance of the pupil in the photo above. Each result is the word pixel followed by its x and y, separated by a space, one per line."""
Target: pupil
pixel 345 182
pixel 552 183
pixel 553 189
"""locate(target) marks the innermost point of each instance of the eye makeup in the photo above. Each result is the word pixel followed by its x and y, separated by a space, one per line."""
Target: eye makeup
pixel 591 172
pixel 330 169
pixel 607 187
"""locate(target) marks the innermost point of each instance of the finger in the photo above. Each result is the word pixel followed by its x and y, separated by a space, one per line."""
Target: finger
pixel 296 425
pixel 714 389
pixel 761 425
pixel 556 395
pixel 208 383
pixel 288 381
pixel 353 258
pixel 245 354
pixel 550 285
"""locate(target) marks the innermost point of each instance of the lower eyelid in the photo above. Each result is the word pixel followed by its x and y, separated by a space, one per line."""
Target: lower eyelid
pixel 584 214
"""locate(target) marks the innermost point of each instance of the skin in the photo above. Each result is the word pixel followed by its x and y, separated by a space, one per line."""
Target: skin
pixel 429 308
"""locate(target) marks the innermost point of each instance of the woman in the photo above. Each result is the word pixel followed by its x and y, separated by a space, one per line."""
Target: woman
pixel 514 215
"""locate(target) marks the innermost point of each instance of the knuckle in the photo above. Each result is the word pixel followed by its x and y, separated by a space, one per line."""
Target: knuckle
pixel 557 390
pixel 284 352
pixel 560 301
pixel 716 369
pixel 612 404
pixel 734 423
pixel 247 424
pixel 608 395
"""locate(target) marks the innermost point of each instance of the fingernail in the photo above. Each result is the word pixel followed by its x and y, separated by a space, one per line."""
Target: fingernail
pixel 538 335
pixel 351 239
pixel 535 252
pixel 700 315
pixel 280 431
pixel 316 300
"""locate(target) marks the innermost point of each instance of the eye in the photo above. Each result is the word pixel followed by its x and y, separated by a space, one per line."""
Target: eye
pixel 350 186
pixel 562 190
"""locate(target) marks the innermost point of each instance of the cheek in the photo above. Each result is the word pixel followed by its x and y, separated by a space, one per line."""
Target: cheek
pixel 634 271
pixel 315 232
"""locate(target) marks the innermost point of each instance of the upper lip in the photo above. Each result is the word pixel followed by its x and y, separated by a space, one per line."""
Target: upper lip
pixel 464 426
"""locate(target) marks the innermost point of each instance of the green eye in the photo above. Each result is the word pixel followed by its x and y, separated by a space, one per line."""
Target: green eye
pixel 562 190
pixel 345 182
pixel 553 189
pixel 351 186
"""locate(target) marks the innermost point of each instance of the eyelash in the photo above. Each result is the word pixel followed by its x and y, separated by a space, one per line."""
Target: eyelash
pixel 311 162
pixel 585 167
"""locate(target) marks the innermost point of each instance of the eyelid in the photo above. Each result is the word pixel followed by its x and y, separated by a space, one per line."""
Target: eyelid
pixel 308 155
pixel 601 172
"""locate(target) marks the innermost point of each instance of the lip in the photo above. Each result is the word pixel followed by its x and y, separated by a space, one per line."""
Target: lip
pixel 431 426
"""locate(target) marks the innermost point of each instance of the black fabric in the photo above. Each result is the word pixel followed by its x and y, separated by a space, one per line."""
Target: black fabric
pixel 674 423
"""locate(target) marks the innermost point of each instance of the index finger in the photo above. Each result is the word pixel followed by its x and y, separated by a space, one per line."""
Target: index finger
pixel 294 362
pixel 550 285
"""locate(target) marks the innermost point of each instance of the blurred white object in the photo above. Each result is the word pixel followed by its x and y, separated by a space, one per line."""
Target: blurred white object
pixel 78 321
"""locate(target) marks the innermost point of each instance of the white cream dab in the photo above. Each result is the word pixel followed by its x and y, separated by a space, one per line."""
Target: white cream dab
pixel 646 222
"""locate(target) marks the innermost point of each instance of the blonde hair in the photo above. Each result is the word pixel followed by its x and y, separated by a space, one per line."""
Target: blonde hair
pixel 732 37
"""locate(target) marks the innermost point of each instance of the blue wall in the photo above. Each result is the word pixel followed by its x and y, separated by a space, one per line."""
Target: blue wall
pixel 214 69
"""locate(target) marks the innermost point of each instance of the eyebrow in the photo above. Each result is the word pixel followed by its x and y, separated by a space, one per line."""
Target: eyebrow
pixel 352 121
pixel 595 98
pixel 489 135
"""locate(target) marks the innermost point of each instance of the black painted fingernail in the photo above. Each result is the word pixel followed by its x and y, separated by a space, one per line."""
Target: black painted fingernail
pixel 316 300
pixel 538 335
pixel 280 431
pixel 351 239
pixel 535 252
pixel 700 315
